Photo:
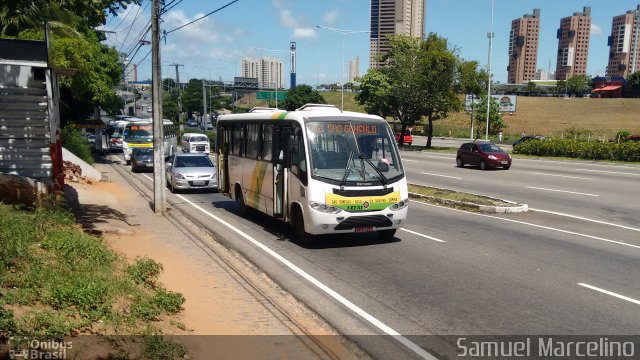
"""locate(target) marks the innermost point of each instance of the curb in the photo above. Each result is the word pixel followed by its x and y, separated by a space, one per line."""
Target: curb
pixel 516 208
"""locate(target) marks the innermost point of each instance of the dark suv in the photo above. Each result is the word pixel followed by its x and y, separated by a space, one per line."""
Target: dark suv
pixel 485 155
pixel 527 138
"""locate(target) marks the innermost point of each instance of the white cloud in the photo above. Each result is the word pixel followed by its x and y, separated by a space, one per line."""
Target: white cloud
pixel 304 33
pixel 287 19
pixel 596 30
pixel 330 17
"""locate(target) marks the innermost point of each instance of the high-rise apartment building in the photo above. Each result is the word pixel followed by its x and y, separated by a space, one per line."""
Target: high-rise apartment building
pixel 354 69
pixel 573 44
pixel 394 17
pixel 268 71
pixel 523 48
pixel 130 73
pixel 623 44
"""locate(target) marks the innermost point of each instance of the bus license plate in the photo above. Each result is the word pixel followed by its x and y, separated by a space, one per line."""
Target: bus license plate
pixel 363 229
pixel 198 183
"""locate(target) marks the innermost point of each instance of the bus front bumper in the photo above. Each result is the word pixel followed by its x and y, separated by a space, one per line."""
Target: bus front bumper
pixel 348 222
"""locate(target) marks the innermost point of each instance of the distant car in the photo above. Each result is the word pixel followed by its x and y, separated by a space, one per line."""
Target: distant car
pixel 115 142
pixel 482 154
pixel 195 143
pixel 191 171
pixel 633 138
pixel 192 123
pixel 206 126
pixel 527 138
pixel 408 139
pixel 141 158
pixel 149 109
pixel 138 106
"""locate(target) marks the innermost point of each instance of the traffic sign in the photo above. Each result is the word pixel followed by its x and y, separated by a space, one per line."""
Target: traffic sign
pixel 271 95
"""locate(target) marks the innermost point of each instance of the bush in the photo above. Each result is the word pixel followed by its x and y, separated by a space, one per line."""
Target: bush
pixel 144 271
pixel 77 144
pixel 627 151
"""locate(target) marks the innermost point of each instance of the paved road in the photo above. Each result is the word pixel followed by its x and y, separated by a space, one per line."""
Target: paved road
pixel 454 272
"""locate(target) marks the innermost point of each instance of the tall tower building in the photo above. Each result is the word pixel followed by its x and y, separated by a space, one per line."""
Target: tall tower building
pixel 573 44
pixel 523 48
pixel 268 71
pixel 354 69
pixel 394 17
pixel 623 44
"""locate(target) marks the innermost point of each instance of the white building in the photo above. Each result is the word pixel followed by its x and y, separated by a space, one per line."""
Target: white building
pixel 354 69
pixel 130 72
pixel 268 71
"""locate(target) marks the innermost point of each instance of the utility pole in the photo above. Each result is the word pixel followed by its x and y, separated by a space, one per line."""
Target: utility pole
pixel 490 36
pixel 204 105
pixel 158 136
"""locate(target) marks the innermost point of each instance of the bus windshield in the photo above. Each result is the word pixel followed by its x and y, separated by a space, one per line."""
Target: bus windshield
pixel 138 133
pixel 353 152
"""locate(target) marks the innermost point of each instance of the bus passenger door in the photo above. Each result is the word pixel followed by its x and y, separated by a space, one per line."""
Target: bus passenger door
pixel 280 141
pixel 223 159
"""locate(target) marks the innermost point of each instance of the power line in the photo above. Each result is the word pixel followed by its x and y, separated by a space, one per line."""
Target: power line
pixel 200 18
pixel 169 6
pixel 131 27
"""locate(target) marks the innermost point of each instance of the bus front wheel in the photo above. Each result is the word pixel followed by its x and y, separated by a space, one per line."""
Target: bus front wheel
pixel 387 234
pixel 302 235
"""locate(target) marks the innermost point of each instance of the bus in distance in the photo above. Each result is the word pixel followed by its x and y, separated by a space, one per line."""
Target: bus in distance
pixel 140 134
pixel 322 170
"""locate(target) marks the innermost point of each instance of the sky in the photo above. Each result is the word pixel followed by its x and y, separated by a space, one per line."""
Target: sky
pixel 212 47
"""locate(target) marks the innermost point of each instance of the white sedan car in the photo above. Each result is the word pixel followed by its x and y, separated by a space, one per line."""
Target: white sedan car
pixel 191 171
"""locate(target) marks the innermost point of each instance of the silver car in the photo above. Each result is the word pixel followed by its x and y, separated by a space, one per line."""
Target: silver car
pixel 191 171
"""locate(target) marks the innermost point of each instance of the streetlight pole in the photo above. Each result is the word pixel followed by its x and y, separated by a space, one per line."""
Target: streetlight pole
pixel 343 32
pixel 490 36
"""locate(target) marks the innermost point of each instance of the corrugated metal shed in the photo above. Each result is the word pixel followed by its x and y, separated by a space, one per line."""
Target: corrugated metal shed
pixel 26 121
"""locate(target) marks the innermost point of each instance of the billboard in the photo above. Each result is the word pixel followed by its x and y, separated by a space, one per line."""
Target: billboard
pixel 507 102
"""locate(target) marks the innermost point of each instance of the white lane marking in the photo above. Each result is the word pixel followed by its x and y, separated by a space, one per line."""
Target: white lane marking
pixel 608 172
pixel 564 176
pixel 409 160
pixel 637 302
pixel 446 176
pixel 422 235
pixel 562 191
pixel 534 225
pixel 351 306
pixel 586 219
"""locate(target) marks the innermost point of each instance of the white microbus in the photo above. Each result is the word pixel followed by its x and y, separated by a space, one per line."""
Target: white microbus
pixel 322 170
pixel 140 134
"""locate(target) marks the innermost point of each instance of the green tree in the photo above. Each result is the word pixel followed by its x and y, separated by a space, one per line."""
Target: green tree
pixel 531 87
pixel 561 87
pixel 579 84
pixel 300 95
pixel 170 107
pixel 632 88
pixel 471 79
pixel 192 97
pixel 495 117
pixel 418 80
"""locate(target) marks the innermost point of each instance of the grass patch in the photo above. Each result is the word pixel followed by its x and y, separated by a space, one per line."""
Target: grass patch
pixel 455 196
pixel 63 280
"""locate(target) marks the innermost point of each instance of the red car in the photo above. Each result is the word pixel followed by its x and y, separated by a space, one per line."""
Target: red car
pixel 408 139
pixel 485 155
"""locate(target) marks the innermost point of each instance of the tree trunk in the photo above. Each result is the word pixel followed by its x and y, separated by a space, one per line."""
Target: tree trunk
pixel 429 131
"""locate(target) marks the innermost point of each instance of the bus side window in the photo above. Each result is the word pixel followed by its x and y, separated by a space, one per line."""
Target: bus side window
pixel 298 158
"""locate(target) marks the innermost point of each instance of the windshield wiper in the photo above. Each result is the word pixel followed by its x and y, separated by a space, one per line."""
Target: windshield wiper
pixel 348 169
pixel 383 179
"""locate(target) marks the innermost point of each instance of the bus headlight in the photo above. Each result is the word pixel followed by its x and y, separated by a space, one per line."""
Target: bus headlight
pixel 399 205
pixel 324 208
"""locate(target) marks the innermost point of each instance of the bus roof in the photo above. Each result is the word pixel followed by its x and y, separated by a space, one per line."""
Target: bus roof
pixel 301 114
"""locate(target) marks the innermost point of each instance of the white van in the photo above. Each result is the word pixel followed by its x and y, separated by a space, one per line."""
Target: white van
pixel 195 143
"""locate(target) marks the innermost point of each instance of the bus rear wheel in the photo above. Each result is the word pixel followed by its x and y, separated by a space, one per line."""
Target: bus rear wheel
pixel 243 209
